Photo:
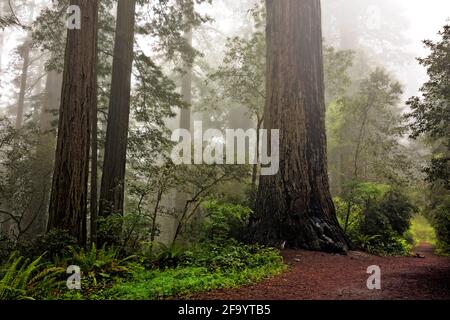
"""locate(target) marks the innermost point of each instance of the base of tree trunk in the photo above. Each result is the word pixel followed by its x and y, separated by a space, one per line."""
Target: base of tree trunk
pixel 314 234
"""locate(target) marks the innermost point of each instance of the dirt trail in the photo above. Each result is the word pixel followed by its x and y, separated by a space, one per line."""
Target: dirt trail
pixel 314 275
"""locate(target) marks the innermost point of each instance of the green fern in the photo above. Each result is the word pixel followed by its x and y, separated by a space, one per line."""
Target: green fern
pixel 364 241
pixel 99 263
pixel 24 280
pixel 169 255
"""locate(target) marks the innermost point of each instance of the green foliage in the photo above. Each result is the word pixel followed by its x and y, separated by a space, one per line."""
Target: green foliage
pixel 392 212
pixel 186 280
pixel 108 226
pixel 231 255
pixel 367 192
pixel 242 75
pixel 55 242
pixel 364 241
pixel 430 114
pixel 23 178
pixel 421 231
pixel 379 217
pixel 364 127
pixel 388 244
pixel 126 231
pixel 21 279
pixel 240 79
pixel 169 256
pixel 208 267
pixel 220 255
pixel 99 265
pixel 439 170
pixel 357 198
pixel 224 220
pixel 353 212
pixel 6 247
pixel 441 222
pixel 202 182
pixel 179 271
pixel 398 210
pixel 337 64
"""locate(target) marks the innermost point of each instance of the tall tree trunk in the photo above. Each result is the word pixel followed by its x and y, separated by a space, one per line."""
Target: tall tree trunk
pixel 44 152
pixel 259 123
pixel 94 168
pixel 68 200
pixel 4 11
pixel 295 206
pixel 38 90
pixel 185 123
pixel 113 178
pixel 25 53
pixel 94 174
pixel 51 101
pixel 186 89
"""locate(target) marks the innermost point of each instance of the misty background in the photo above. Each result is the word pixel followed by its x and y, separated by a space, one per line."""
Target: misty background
pixel 375 26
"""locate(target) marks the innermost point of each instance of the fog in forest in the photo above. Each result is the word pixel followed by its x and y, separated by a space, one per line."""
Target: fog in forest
pixel 398 26
pixel 157 149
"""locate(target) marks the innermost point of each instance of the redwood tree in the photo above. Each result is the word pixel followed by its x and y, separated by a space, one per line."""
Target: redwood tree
pixel 25 53
pixel 68 201
pixel 113 178
pixel 295 205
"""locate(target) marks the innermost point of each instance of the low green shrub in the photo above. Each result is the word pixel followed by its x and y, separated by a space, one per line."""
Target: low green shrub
pixel 441 222
pixel 231 255
pixel 224 220
pixel 168 256
pixel 377 218
pixel 55 243
pixel 6 247
pixel 391 213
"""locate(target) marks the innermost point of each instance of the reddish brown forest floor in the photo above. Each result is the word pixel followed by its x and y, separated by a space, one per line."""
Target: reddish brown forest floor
pixel 314 275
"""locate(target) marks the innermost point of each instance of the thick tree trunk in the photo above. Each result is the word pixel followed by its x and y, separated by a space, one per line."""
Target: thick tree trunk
pixel 113 178
pixel 68 200
pixel 295 206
